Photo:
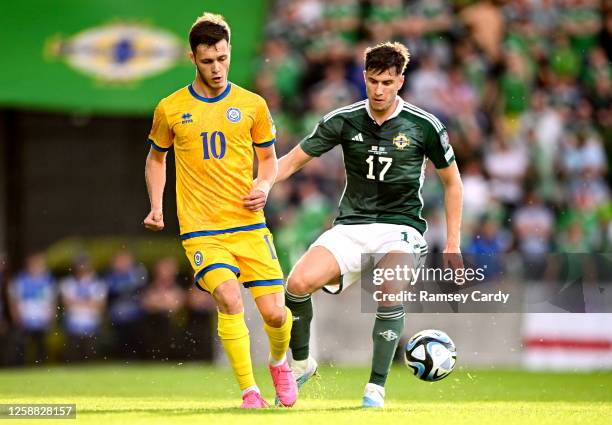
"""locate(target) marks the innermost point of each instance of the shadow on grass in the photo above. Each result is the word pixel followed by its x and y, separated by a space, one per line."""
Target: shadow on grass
pixel 222 410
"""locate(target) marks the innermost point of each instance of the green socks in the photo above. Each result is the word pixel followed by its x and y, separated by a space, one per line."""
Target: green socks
pixel 386 334
pixel 388 329
pixel 301 308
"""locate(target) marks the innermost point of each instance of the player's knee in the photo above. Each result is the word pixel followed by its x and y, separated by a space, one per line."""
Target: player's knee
pixel 299 284
pixel 274 317
pixel 390 304
pixel 228 298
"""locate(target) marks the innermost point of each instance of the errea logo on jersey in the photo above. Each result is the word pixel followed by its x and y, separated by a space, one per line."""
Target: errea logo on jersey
pixel 186 117
pixel 234 114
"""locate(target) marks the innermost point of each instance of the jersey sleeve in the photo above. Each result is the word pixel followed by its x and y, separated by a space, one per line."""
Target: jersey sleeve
pixel 263 132
pixel 323 138
pixel 161 136
pixel 438 148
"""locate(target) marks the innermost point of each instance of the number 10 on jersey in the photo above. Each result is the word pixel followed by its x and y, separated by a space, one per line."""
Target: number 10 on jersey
pixel 214 145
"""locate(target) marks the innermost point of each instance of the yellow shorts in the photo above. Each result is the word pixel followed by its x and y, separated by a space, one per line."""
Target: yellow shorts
pixel 246 255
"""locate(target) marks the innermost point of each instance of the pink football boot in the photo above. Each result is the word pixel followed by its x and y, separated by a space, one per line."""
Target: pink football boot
pixel 253 400
pixel 284 384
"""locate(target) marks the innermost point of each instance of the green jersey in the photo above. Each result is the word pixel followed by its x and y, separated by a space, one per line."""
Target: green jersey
pixel 385 164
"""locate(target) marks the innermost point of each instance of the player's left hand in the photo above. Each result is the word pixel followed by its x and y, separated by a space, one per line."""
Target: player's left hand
pixel 255 200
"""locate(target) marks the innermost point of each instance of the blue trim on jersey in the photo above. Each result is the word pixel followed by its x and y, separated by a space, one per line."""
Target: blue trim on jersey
pixel 214 266
pixel 210 99
pixel 222 231
pixel 270 282
pixel 157 147
pixel 265 144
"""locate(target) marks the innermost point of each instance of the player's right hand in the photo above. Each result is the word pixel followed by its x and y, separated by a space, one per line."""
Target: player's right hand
pixel 154 221
pixel 451 258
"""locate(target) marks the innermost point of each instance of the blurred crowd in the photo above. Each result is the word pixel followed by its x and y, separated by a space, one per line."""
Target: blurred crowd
pixel 122 313
pixel 524 88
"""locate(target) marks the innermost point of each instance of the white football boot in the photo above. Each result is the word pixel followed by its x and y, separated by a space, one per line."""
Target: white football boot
pixel 303 370
pixel 373 396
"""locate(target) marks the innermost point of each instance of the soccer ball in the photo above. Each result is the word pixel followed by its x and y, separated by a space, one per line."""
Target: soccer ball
pixel 430 354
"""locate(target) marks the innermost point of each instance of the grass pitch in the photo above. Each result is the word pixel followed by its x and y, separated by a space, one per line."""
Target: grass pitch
pixel 195 394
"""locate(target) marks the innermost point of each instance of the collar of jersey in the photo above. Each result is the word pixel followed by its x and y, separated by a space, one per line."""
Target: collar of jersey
pixel 398 109
pixel 210 99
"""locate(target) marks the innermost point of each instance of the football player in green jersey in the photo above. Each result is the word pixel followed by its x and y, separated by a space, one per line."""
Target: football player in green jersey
pixel 386 143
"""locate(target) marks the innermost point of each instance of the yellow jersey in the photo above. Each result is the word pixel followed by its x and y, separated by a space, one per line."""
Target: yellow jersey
pixel 213 141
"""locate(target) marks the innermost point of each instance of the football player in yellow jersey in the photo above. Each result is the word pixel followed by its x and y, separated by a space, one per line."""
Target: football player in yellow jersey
pixel 214 126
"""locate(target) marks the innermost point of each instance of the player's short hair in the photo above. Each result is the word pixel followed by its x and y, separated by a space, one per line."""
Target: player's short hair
pixel 208 29
pixel 387 55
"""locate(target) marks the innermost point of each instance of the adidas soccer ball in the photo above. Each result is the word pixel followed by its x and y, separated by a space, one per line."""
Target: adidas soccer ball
pixel 430 354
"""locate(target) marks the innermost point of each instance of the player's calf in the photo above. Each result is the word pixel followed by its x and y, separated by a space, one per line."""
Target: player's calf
pixel 277 324
pixel 388 328
pixel 301 310
pixel 234 336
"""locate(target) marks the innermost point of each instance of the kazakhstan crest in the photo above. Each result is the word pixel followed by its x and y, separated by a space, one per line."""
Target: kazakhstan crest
pixel 401 141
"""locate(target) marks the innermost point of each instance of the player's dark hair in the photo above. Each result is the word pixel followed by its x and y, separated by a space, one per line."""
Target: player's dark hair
pixel 209 29
pixel 385 56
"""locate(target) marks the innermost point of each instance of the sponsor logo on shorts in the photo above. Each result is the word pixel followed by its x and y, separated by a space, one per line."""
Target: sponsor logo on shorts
pixel 198 258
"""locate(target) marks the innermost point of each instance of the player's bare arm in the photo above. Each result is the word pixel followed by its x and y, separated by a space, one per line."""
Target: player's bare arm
pixel 155 176
pixel 266 174
pixel 291 163
pixel 453 205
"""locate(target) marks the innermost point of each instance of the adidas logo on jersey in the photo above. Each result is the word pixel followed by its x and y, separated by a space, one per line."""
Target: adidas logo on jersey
pixel 358 137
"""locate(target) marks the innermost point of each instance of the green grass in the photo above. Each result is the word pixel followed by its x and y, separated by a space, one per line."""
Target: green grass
pixel 193 394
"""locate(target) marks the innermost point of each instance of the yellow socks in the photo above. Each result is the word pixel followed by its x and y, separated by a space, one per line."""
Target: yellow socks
pixel 234 335
pixel 279 338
